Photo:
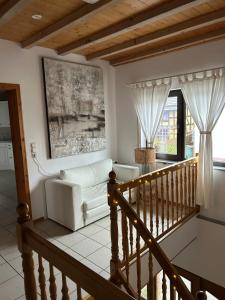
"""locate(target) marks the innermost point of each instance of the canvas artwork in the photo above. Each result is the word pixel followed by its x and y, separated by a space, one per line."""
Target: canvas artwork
pixel 75 107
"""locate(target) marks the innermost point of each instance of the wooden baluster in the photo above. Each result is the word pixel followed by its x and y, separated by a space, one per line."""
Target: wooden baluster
pixel 185 189
pixel 151 206
pixel 177 195
pixel 162 203
pixel 193 185
pixel 123 216
pixel 144 202
pixel 167 200
pixel 126 245
pixel 52 285
pixel 114 262
pixel 26 252
pixel 164 287
pixel 157 206
pixel 125 242
pixel 172 196
pixel 138 263
pixel 195 180
pixel 150 287
pixel 181 191
pixel 201 295
pixel 65 290
pixel 42 280
pixel 139 197
pixel 189 188
pixel 172 292
pixel 130 226
pixel 79 293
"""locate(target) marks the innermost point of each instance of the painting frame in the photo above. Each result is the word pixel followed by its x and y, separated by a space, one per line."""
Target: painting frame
pixel 75 107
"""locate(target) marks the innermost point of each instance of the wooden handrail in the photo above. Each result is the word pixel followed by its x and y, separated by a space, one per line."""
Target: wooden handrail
pixel 93 283
pixel 154 247
pixel 155 174
pixel 166 232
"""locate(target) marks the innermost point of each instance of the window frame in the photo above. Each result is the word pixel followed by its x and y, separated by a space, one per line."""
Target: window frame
pixel 181 118
pixel 181 132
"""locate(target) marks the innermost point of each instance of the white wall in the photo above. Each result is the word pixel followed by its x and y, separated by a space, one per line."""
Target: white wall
pixel 23 67
pixel 196 58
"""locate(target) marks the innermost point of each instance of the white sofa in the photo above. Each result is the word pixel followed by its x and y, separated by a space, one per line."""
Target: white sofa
pixel 79 196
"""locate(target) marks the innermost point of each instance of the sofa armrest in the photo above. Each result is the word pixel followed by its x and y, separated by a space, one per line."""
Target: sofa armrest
pixel 64 203
pixel 125 172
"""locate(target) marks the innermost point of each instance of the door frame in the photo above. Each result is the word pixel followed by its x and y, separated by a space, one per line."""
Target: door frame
pixel 18 142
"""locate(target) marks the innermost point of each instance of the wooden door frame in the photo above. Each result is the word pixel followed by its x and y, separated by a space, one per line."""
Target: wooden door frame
pixel 18 141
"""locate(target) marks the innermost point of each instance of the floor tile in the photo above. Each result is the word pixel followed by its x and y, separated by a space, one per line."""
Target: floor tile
pixel 71 239
pixel 104 274
pixel 16 264
pixel 89 230
pixel 102 237
pixel 101 257
pixel 6 272
pixel 2 261
pixel 105 223
pixel 91 265
pixel 73 254
pixel 12 289
pixel 86 247
pixel 10 250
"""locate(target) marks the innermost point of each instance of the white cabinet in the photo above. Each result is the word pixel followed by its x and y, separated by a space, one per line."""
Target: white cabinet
pixel 6 156
pixel 4 114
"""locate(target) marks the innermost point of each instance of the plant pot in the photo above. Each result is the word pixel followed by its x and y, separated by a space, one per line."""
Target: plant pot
pixel 145 155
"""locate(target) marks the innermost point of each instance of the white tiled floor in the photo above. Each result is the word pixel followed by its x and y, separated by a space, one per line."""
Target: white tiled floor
pixel 11 281
pixel 90 245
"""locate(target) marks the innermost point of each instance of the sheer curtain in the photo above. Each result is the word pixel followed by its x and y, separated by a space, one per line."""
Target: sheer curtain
pixel 150 99
pixel 204 93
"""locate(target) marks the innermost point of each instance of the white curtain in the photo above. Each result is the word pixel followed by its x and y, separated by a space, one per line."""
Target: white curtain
pixel 204 93
pixel 150 99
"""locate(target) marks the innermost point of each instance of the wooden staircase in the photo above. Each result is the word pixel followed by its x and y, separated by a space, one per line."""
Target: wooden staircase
pixel 136 226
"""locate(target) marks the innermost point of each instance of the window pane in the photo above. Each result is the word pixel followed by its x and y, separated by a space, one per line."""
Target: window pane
pixel 190 136
pixel 166 139
pixel 218 140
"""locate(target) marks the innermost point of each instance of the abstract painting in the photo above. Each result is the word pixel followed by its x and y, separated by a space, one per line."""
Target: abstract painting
pixel 75 107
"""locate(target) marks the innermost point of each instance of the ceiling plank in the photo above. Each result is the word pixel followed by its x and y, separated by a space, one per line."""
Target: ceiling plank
pixel 194 23
pixel 72 19
pixel 10 8
pixel 136 21
pixel 196 39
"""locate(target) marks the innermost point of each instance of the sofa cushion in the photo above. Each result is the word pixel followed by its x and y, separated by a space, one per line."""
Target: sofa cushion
pixel 90 175
pixel 94 196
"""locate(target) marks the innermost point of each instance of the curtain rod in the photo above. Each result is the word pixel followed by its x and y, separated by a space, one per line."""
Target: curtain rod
pixel 177 75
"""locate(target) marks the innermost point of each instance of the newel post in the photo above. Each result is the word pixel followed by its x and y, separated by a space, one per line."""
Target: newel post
pixel 26 252
pixel 114 262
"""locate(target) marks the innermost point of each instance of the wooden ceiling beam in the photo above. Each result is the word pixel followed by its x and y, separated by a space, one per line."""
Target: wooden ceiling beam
pixel 72 19
pixel 136 21
pixel 196 39
pixel 10 8
pixel 194 23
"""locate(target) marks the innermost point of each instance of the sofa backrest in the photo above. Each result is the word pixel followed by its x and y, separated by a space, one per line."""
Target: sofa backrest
pixel 88 175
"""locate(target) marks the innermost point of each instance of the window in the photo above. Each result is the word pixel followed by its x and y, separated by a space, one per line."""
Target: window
pixel 178 136
pixel 169 141
pixel 219 141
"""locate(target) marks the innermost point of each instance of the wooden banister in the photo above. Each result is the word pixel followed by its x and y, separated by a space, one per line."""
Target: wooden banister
pixel 90 281
pixel 26 252
pixel 156 174
pixel 167 196
pixel 153 246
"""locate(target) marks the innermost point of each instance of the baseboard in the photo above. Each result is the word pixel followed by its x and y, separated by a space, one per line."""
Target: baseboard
pixel 38 220
pixel 211 220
